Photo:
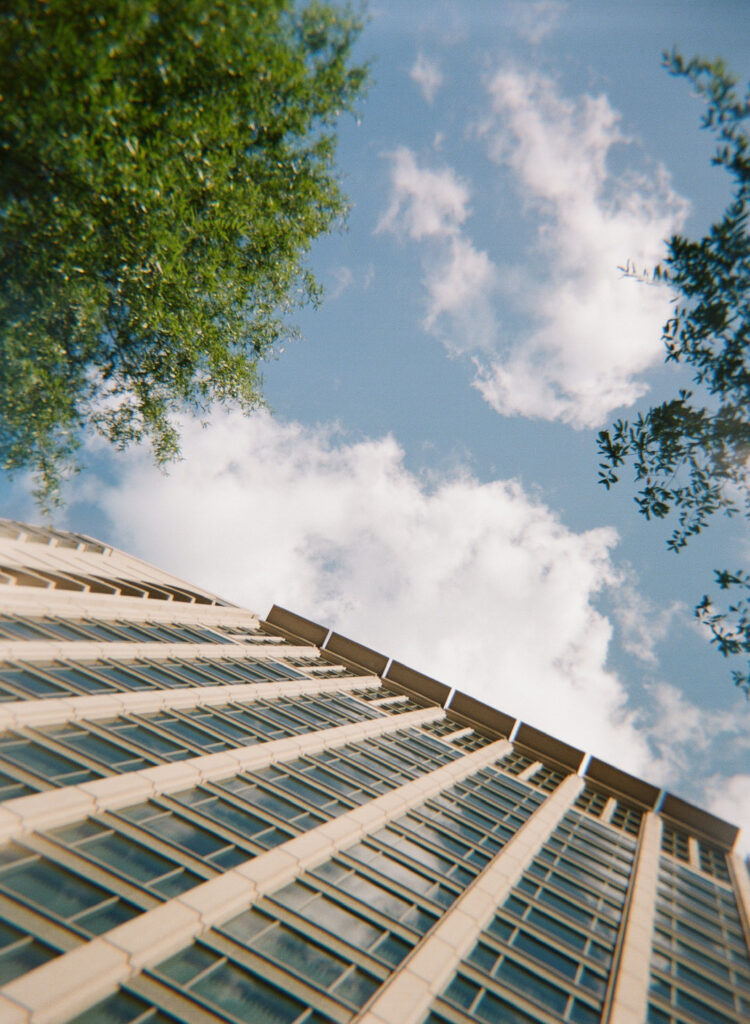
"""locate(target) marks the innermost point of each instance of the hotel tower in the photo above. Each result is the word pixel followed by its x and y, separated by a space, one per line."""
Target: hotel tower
pixel 212 817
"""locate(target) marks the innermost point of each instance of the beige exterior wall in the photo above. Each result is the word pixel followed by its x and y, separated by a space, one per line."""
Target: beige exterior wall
pixel 73 803
pixel 738 872
pixel 25 548
pixel 72 650
pixel 57 710
pixel 57 990
pixel 628 1000
pixel 407 996
pixel 38 601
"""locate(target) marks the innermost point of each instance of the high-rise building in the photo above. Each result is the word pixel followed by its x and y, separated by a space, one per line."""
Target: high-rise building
pixel 208 817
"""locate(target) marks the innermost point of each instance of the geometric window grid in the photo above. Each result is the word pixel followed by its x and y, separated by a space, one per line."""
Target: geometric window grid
pixel 18 627
pixel 35 680
pixel 551 943
pixel 319 948
pixel 81 751
pixel 676 844
pixel 700 969
pixel 172 843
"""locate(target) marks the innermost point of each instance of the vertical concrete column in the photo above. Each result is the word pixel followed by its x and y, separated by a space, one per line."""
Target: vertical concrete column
pixel 609 809
pixel 20 714
pixel 627 1000
pixel 407 996
pixel 694 853
pixel 69 984
pixel 738 872
pixel 528 772
pixel 67 804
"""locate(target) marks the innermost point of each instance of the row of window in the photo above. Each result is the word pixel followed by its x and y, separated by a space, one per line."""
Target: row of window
pixel 445 728
pixel 625 815
pixel 61 755
pixel 47 535
pixel 21 627
pixel 28 681
pixel 73 882
pixel 66 579
pixel 318 949
pixel 711 859
pixel 545 777
pixel 700 970
pixel 551 943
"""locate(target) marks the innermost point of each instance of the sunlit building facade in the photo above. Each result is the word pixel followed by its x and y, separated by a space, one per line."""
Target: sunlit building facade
pixel 210 817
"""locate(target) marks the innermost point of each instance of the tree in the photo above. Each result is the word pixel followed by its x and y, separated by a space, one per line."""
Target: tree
pixel 691 454
pixel 164 167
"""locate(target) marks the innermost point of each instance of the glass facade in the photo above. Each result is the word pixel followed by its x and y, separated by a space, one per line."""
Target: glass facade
pixel 320 947
pixel 700 970
pixel 551 943
pixel 411 836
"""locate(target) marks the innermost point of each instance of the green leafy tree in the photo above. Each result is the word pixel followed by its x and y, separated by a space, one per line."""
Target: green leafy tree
pixel 691 454
pixel 164 167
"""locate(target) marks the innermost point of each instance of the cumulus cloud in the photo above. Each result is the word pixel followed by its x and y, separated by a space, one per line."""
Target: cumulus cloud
pixel 643 625
pixel 683 734
pixel 460 279
pixel 583 332
pixel 424 203
pixel 535 21
pixel 427 75
pixel 476 583
pixel 729 798
pixel 592 332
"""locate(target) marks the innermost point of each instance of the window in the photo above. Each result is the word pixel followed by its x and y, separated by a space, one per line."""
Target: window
pixel 58 892
pixel 127 857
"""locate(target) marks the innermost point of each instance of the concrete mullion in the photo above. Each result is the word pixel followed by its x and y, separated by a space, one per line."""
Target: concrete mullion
pixel 738 872
pixel 694 853
pixel 532 769
pixel 58 710
pixel 55 991
pixel 91 650
pixel 68 804
pixel 407 996
pixel 451 737
pixel 631 967
pixel 609 809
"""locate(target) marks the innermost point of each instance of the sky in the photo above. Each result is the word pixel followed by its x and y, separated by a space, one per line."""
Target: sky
pixel 425 477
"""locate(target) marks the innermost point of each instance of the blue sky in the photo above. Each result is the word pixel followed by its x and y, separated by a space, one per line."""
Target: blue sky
pixel 426 479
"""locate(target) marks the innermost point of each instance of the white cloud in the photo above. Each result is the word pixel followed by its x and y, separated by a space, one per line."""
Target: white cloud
pixel 592 332
pixel 729 798
pixel 687 737
pixel 689 741
pixel 424 203
pixel 535 21
pixel 459 278
pixel 475 583
pixel 643 625
pixel 343 278
pixel 427 75
pixel 587 332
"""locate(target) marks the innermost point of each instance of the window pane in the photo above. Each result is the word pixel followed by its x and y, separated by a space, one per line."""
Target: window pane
pixel 129 857
pixel 22 958
pixel 30 683
pixel 301 955
pixel 52 887
pixel 247 997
